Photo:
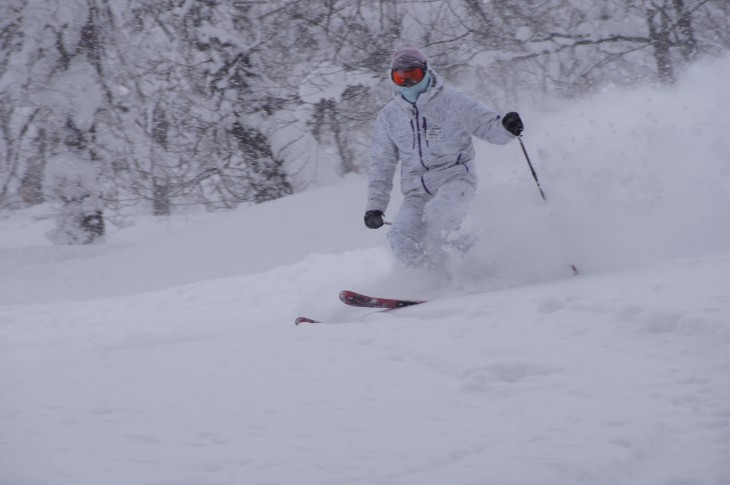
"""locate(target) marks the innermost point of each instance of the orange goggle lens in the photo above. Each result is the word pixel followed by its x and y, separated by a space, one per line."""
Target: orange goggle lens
pixel 408 77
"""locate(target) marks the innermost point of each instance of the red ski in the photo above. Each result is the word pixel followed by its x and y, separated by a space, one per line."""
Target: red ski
pixel 364 301
pixel 359 300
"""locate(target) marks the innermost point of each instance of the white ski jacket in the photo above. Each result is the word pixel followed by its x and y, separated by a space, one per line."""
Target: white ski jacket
pixel 431 138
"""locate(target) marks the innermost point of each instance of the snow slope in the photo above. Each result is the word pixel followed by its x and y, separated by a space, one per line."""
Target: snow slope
pixel 168 356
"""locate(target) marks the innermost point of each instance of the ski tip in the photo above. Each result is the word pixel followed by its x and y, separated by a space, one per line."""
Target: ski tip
pixel 301 320
pixel 353 298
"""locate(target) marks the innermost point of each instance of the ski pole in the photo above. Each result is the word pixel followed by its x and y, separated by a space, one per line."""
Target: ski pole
pixel 573 267
pixel 532 169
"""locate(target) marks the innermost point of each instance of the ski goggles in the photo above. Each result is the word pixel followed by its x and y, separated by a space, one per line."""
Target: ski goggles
pixel 408 77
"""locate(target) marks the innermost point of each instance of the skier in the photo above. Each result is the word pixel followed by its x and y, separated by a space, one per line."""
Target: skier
pixel 428 127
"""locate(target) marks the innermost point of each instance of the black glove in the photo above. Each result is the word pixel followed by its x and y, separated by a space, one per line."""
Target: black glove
pixel 374 219
pixel 513 123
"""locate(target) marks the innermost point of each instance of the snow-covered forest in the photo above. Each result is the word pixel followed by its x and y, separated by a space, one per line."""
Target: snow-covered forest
pixel 164 106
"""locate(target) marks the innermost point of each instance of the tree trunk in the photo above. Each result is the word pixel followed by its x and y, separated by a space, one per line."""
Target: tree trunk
pixel 348 160
pixel 31 184
pixel 688 42
pixel 659 36
pixel 160 199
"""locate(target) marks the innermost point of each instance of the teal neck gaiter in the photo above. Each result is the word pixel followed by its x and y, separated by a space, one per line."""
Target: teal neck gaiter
pixel 412 93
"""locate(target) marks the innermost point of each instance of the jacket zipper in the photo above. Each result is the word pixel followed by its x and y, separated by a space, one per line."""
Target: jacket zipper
pixel 425 130
pixel 458 162
pixel 413 136
pixel 420 147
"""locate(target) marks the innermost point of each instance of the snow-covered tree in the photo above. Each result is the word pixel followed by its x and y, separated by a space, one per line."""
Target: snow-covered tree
pixel 79 215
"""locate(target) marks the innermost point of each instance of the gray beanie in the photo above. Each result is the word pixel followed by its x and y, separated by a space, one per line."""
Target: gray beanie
pixel 407 56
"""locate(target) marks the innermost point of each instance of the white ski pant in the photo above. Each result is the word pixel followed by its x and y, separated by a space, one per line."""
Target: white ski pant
pixel 427 225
